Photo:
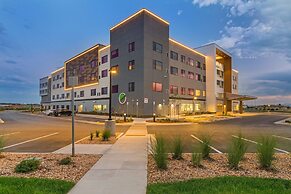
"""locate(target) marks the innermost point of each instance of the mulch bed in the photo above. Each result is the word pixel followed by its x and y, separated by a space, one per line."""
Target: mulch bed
pixel 179 170
pixel 49 167
pixel 98 140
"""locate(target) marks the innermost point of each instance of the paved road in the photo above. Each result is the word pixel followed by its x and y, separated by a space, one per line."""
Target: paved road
pixel 48 133
pixel 252 127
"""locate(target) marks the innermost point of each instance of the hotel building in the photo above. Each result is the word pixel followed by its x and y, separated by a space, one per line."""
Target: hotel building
pixel 155 74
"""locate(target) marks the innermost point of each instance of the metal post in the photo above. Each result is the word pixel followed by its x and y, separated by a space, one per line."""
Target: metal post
pixel 110 88
pixel 73 121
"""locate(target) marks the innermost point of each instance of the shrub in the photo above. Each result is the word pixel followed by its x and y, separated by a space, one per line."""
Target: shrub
pixel 236 151
pixel 106 135
pixel 158 151
pixel 97 133
pixel 91 136
pixel 65 161
pixel 266 151
pixel 27 165
pixel 177 148
pixel 196 159
pixel 205 145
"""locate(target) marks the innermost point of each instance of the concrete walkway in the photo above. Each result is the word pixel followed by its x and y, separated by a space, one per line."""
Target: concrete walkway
pixel 122 169
pixel 85 149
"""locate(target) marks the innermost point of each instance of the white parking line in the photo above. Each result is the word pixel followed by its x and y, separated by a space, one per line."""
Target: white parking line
pixel 280 150
pixel 193 136
pixel 27 141
pixel 8 134
pixel 1 121
pixel 282 137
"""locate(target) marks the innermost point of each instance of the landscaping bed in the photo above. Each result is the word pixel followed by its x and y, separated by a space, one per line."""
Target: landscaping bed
pixel 98 140
pixel 49 166
pixel 217 165
pixel 242 185
pixel 33 185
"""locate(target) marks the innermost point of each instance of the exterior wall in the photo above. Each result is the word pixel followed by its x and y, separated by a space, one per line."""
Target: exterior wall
pixel 45 90
pixel 235 103
pixel 143 29
pixel 187 103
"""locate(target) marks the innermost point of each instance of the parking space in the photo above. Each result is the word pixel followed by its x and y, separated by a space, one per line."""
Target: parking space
pixel 30 133
pixel 221 132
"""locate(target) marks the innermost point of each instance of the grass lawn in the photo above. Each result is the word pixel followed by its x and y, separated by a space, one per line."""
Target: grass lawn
pixel 13 185
pixel 241 185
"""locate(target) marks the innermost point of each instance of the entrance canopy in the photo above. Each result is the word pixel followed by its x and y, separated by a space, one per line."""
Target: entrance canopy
pixel 230 96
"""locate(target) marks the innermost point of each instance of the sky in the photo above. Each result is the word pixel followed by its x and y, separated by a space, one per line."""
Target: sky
pixel 37 36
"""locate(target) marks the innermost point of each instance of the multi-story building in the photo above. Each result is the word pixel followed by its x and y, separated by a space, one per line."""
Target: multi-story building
pixel 154 74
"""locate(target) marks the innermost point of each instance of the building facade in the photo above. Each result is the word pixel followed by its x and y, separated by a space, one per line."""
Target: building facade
pixel 155 74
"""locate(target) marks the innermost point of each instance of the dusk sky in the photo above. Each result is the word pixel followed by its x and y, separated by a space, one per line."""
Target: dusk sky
pixel 37 36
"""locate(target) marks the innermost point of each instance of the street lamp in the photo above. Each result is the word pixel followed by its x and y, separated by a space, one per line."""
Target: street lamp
pixel 112 71
pixel 195 98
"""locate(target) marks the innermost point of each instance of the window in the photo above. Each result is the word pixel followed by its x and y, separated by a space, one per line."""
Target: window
pixel 104 90
pixel 115 89
pixel 63 84
pixel 157 47
pixel 219 83
pixel 93 92
pixel 157 87
pixel 198 77
pixel 54 97
pixel 173 90
pixel 104 73
pixel 58 96
pixel 114 53
pixel 198 64
pixel 68 95
pixel 197 92
pixel 174 70
pixel 93 76
pixel 204 66
pixel 104 59
pixel 75 94
pixel 131 47
pixel 58 85
pixel 174 55
pixel 81 93
pixel 204 93
pixel 54 87
pixel 68 107
pixel 62 106
pixel 158 65
pixel 82 68
pixel 131 86
pixel 115 68
pixel 58 77
pixel 183 91
pixel 183 59
pixel 190 91
pixel 204 78
pixel 131 65
pixel 183 72
pixel 191 61
pixel 93 63
pixel 63 96
pixel 190 75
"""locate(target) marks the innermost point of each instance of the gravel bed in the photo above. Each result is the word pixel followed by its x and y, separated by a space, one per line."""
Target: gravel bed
pixel 49 167
pixel 179 170
pixel 99 140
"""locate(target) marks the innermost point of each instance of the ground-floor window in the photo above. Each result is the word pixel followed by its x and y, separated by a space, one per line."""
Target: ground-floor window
pixel 99 107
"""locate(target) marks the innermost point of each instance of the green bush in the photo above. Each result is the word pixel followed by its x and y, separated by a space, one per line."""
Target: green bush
pixel 196 159
pixel 65 161
pixel 205 145
pixel 158 151
pixel 177 148
pixel 91 136
pixel 266 151
pixel 106 135
pixel 236 151
pixel 28 165
pixel 97 133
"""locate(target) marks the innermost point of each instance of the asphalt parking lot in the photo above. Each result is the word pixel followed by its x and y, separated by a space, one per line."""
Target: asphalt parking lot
pixel 31 133
pixel 252 128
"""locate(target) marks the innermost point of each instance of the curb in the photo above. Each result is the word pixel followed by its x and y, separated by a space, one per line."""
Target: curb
pixel 1 121
pixel 281 122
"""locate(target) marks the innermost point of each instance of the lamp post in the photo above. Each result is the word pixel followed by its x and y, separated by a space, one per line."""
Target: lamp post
pixel 195 98
pixel 111 72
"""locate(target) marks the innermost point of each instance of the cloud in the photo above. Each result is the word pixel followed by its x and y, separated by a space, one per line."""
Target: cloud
pixel 235 7
pixel 10 62
pixel 179 12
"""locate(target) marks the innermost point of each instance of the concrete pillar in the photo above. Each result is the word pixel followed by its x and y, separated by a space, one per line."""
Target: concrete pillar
pixel 110 125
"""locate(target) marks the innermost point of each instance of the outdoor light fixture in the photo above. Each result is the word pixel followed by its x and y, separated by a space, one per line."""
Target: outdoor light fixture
pixel 154 117
pixel 124 117
pixel 112 71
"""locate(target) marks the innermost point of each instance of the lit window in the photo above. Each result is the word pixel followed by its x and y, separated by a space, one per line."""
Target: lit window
pixel 158 65
pixel 197 92
pixel 204 93
pixel 190 91
pixel 183 73
pixel 131 65
pixel 174 55
pixel 131 47
pixel 190 75
pixel 157 47
pixel 183 91
pixel 114 54
pixel 174 70
pixel 191 61
pixel 173 90
pixel 157 87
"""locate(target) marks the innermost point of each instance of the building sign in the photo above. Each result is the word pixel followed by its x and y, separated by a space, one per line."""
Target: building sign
pixel 146 100
pixel 122 98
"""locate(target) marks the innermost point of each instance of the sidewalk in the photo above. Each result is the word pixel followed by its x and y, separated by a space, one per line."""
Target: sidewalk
pixel 122 168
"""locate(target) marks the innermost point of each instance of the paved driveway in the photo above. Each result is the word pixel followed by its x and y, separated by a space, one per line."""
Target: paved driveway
pixel 30 133
pixel 252 127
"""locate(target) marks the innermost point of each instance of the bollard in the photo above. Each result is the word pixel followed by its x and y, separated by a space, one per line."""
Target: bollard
pixel 154 117
pixel 124 117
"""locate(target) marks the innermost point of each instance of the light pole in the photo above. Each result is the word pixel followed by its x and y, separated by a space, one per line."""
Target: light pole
pixel 195 98
pixel 111 72
pixel 73 81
